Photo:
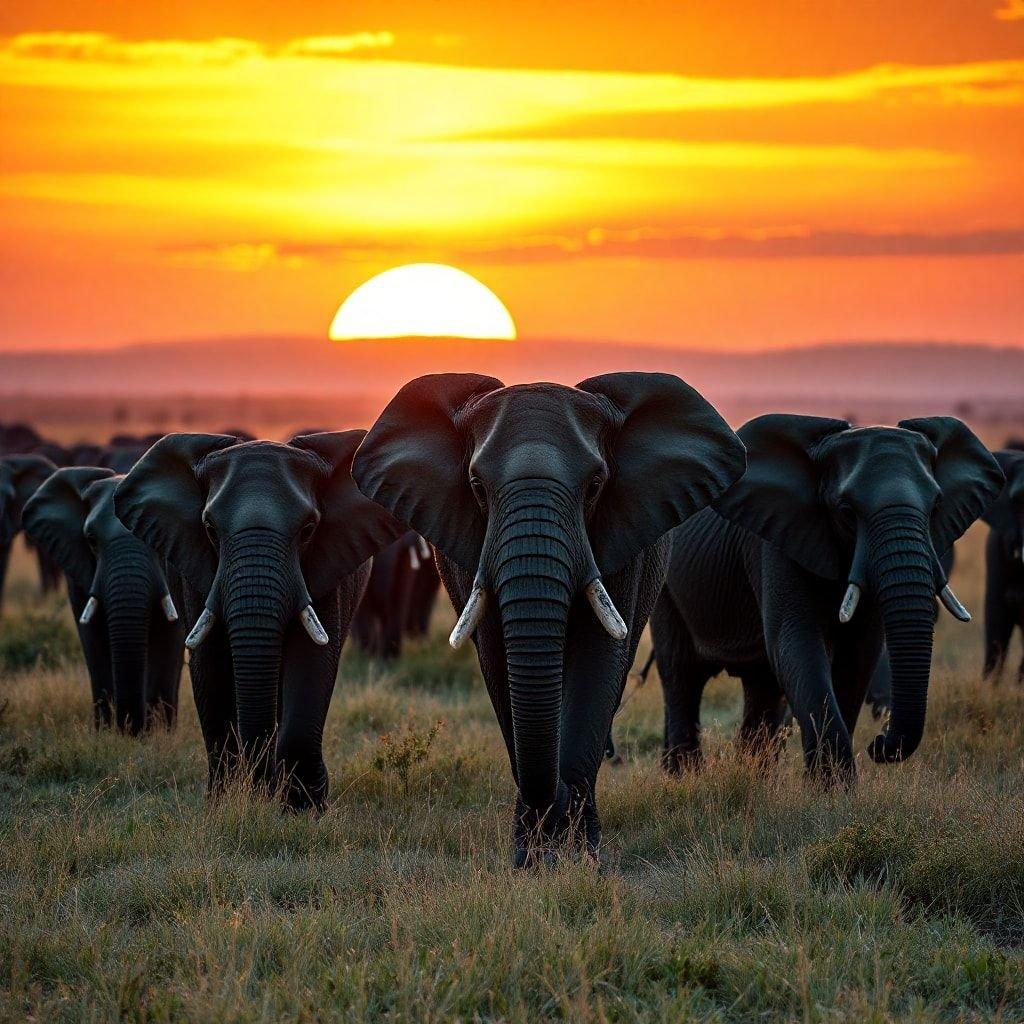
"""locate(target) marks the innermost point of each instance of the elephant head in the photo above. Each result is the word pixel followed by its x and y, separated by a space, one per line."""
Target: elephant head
pixel 20 477
pixel 874 507
pixel 536 492
pixel 1006 515
pixel 115 580
pixel 260 531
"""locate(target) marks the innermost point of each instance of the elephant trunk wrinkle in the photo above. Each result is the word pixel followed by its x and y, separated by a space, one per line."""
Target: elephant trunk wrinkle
pixel 535 568
pixel 904 586
pixel 258 598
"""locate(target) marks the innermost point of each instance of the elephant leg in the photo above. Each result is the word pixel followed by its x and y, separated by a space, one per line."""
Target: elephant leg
pixel 856 663
pixel 213 688
pixel 596 668
pixel 764 715
pixel 5 557
pixel 96 650
pixel 683 677
pixel 794 633
pixel 163 675
pixel 309 674
pixel 998 630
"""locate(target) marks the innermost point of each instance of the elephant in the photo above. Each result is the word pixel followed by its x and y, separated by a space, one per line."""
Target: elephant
pixel 1004 566
pixel 426 583
pixel 18 438
pixel 273 543
pixel 794 578
pixel 385 611
pixel 548 507
pixel 20 476
pixel 879 695
pixel 120 595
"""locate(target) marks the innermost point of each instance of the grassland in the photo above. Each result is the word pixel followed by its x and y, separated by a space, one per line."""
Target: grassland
pixel 723 897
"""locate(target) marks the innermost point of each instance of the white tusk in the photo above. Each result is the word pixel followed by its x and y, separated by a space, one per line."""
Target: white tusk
pixel 605 610
pixel 953 605
pixel 200 630
pixel 88 611
pixel 424 549
pixel 414 558
pixel 470 617
pixel 850 601
pixel 168 606
pixel 316 632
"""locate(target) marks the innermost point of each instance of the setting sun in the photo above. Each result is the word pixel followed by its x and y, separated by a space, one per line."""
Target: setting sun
pixel 422 300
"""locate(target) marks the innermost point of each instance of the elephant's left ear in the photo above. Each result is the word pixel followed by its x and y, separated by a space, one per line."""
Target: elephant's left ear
pixel 965 470
pixel 352 528
pixel 1000 515
pixel 54 518
pixel 670 454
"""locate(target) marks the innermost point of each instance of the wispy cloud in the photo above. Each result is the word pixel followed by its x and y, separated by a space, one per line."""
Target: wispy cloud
pixel 101 48
pixel 606 243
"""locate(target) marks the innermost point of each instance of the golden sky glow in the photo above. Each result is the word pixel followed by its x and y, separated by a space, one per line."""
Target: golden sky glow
pixel 240 173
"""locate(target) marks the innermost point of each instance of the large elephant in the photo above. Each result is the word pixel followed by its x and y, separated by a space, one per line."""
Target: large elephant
pixel 119 594
pixel 273 542
pixel 1004 566
pixel 382 618
pixel 547 507
pixel 20 476
pixel 825 549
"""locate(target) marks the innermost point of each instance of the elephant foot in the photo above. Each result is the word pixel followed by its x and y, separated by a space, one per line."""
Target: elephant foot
pixel 570 827
pixel 305 794
pixel 681 759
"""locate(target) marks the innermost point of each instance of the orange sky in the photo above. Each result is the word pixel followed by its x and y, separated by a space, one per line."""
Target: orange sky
pixel 721 175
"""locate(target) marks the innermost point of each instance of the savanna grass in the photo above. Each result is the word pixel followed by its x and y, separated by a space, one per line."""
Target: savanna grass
pixel 724 896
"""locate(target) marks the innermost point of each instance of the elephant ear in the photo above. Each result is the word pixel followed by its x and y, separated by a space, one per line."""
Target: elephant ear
pixel 413 461
pixel 352 528
pixel 967 473
pixel 54 517
pixel 778 497
pixel 670 454
pixel 1000 514
pixel 161 501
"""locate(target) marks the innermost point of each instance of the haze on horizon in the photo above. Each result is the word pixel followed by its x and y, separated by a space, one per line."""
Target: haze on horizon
pixel 712 176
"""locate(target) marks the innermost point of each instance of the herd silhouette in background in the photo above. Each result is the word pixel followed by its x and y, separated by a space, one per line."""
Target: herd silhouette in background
pixel 806 556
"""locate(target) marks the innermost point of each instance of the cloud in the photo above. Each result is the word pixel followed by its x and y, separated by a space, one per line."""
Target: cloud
pixel 101 48
pixel 1012 11
pixel 645 243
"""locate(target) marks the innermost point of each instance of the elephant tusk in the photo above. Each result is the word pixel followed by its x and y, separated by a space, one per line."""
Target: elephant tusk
pixel 605 610
pixel 953 605
pixel 88 611
pixel 168 606
pixel 316 632
pixel 850 601
pixel 470 617
pixel 200 630
pixel 424 549
pixel 414 558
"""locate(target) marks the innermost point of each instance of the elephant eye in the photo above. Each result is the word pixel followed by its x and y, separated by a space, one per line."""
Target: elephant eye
pixel 307 531
pixel 211 533
pixel 594 488
pixel 479 491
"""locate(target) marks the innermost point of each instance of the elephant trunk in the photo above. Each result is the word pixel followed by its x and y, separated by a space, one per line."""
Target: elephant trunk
pixel 903 577
pixel 257 600
pixel 127 598
pixel 533 568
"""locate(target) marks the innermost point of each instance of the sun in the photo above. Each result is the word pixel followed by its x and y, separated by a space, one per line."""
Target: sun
pixel 422 300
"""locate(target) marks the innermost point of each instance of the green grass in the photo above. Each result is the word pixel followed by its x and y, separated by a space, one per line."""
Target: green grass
pixel 723 897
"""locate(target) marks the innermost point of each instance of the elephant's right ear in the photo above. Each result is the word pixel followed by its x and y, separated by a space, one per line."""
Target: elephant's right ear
pixel 54 518
pixel 1000 515
pixel 161 501
pixel 413 461
pixel 777 498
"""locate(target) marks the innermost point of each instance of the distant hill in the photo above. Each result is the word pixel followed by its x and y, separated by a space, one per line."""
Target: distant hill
pixel 940 373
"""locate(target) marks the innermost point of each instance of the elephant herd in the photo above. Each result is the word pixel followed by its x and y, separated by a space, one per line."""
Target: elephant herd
pixel 560 520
